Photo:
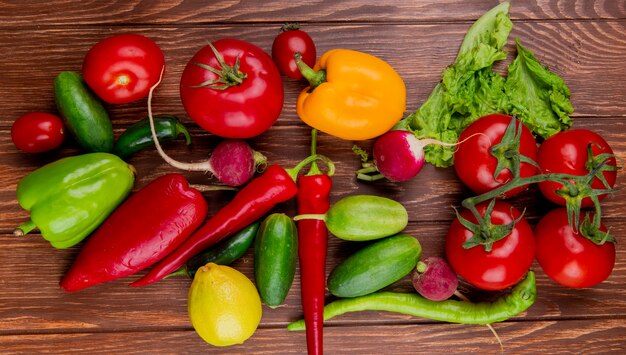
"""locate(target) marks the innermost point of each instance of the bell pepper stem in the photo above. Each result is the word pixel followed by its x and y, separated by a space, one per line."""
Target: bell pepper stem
pixel 25 228
pixel 315 78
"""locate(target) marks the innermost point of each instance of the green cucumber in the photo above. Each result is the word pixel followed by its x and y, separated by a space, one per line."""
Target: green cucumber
pixel 376 266
pixel 83 113
pixel 223 253
pixel 275 256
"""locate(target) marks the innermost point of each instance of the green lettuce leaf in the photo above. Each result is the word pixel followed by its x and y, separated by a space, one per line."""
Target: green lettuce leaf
pixel 538 97
pixel 469 88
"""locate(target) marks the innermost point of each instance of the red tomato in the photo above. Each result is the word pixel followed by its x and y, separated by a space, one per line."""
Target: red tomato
pixel 231 109
pixel 286 44
pixel 122 68
pixel 509 258
pixel 474 163
pixel 37 132
pixel 569 258
pixel 566 152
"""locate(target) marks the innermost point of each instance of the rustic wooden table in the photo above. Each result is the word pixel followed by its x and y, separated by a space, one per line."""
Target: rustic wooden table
pixel 583 41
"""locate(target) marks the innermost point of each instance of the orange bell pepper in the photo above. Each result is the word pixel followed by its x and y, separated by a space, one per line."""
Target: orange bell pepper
pixel 352 95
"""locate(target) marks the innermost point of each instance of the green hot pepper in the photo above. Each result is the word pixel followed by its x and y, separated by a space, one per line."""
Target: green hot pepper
pixel 521 297
pixel 71 197
pixel 138 135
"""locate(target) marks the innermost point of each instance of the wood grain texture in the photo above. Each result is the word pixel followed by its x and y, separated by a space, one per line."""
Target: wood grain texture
pixel 563 337
pixel 119 12
pixel 583 41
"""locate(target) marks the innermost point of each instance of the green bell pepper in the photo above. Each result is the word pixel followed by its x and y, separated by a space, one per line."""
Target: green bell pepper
pixel 69 198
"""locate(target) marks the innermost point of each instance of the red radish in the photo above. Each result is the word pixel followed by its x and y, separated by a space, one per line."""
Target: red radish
pixel 434 279
pixel 233 162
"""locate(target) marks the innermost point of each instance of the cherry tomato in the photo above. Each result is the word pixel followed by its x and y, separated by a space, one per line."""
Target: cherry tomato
pixel 37 132
pixel 291 40
pixel 474 163
pixel 567 152
pixel 509 258
pixel 569 258
pixel 122 68
pixel 246 103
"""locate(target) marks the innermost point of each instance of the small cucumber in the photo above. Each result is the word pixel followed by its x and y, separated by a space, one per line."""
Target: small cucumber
pixel 223 253
pixel 376 266
pixel 275 256
pixel 365 217
pixel 83 113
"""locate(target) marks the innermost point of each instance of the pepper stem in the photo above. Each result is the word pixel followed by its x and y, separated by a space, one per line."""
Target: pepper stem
pixel 24 229
pixel 315 78
pixel 293 172
pixel 314 170
pixel 319 217
pixel 181 129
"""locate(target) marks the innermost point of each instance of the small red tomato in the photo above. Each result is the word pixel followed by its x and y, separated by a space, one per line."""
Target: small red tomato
pixel 37 132
pixel 508 260
pixel 475 164
pixel 122 68
pixel 569 258
pixel 291 40
pixel 568 153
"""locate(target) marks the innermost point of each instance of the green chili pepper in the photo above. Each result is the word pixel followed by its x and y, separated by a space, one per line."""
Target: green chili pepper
pixel 521 297
pixel 138 135
pixel 223 253
pixel 71 197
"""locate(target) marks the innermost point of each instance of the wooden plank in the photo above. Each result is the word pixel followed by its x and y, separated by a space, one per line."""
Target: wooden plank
pixel 567 336
pixel 587 54
pixel 64 12
pixel 31 299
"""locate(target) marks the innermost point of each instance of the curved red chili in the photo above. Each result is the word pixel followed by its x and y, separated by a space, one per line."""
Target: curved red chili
pixel 145 228
pixel 258 197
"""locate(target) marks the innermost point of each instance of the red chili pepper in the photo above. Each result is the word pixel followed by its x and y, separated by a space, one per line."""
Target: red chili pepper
pixel 258 197
pixel 313 197
pixel 144 229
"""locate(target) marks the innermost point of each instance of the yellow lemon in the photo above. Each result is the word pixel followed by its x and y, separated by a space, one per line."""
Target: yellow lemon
pixel 224 305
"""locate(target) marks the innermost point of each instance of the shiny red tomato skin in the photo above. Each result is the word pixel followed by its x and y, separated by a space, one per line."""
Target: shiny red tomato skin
pixel 122 68
pixel 286 44
pixel 569 258
pixel 566 152
pixel 474 163
pixel 38 132
pixel 507 262
pixel 240 111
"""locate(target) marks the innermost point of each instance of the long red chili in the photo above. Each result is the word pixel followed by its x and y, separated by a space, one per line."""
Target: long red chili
pixel 144 229
pixel 257 198
pixel 313 197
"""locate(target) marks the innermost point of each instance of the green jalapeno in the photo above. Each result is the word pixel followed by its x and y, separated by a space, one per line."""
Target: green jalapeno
pixel 521 297
pixel 138 135
pixel 71 197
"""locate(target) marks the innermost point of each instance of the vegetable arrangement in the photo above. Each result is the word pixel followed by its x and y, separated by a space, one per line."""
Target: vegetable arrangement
pixel 474 117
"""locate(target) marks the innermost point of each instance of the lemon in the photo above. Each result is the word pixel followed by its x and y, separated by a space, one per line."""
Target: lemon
pixel 224 305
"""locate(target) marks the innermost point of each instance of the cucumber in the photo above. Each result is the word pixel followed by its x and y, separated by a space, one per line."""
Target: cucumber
pixel 376 266
pixel 83 113
pixel 275 256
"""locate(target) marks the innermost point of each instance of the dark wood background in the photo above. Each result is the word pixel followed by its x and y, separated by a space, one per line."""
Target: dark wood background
pixel 583 41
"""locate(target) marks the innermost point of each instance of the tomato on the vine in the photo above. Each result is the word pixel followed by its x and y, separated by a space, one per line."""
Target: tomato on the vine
pixel 289 41
pixel 509 258
pixel 567 152
pixel 474 162
pixel 122 68
pixel 37 132
pixel 232 89
pixel 569 258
